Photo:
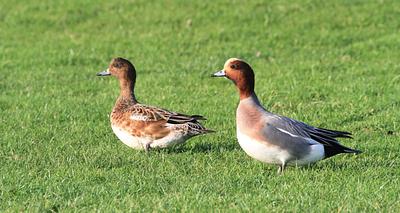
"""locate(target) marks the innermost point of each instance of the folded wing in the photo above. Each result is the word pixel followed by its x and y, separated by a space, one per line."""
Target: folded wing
pixel 189 123
pixel 326 137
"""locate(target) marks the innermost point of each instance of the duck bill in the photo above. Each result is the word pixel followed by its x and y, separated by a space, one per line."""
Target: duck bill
pixel 104 73
pixel 220 73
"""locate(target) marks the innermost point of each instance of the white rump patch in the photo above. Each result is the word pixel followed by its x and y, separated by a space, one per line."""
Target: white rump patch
pixel 317 152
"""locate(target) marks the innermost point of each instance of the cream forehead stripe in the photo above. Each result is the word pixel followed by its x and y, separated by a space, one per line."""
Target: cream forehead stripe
pixel 231 60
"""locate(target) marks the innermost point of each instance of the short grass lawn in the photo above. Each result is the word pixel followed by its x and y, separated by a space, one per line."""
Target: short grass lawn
pixel 332 64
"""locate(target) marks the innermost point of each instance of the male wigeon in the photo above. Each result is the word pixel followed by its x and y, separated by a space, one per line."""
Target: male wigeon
pixel 272 138
pixel 143 127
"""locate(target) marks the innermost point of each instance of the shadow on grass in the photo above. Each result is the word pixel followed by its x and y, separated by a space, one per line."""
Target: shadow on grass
pixel 356 164
pixel 202 148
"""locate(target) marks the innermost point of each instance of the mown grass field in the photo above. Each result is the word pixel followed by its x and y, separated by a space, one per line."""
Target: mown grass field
pixel 333 64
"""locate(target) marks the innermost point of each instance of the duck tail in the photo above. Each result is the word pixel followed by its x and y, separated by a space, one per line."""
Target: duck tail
pixel 352 151
pixel 198 117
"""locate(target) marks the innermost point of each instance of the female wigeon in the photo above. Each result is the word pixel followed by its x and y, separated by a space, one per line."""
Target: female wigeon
pixel 143 127
pixel 272 138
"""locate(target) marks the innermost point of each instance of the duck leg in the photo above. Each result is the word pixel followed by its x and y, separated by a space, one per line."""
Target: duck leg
pixel 281 168
pixel 147 147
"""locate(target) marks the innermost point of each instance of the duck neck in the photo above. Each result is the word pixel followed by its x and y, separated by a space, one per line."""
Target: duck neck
pixel 127 88
pixel 245 94
pixel 252 98
pixel 245 86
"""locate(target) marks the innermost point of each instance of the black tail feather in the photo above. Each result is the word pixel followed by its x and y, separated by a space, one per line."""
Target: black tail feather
pixel 337 149
pixel 331 146
pixel 354 151
pixel 180 118
pixel 198 117
pixel 334 133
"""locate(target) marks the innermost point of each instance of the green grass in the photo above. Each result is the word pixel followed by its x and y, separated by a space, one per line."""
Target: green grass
pixel 333 64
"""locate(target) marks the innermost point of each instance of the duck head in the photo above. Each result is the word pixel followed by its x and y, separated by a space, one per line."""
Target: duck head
pixel 241 74
pixel 120 68
pixel 125 72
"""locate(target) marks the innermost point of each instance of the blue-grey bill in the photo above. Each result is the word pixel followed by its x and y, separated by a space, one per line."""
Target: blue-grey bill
pixel 220 73
pixel 104 73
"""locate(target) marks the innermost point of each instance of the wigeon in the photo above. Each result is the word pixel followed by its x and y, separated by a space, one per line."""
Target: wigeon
pixel 273 138
pixel 143 127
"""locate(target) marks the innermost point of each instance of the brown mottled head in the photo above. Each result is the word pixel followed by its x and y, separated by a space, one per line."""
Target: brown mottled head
pixel 126 74
pixel 120 68
pixel 241 74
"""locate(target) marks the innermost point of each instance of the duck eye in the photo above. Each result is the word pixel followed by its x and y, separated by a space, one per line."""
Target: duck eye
pixel 117 65
pixel 234 66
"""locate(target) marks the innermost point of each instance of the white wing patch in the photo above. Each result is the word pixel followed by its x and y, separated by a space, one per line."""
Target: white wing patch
pixel 284 131
pixel 137 117
pixel 310 141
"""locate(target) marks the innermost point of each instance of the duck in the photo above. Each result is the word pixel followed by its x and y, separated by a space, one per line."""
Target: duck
pixel 144 127
pixel 272 138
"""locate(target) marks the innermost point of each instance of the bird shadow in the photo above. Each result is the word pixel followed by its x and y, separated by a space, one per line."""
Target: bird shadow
pixel 201 148
pixel 331 166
